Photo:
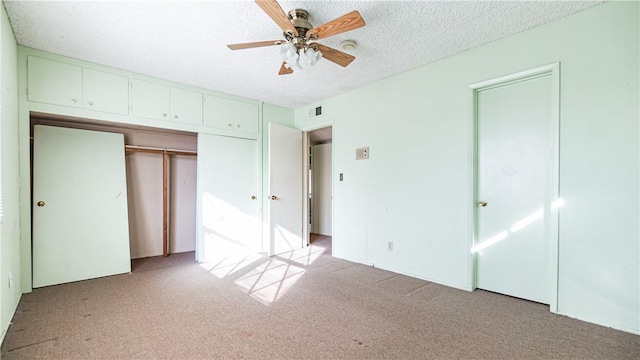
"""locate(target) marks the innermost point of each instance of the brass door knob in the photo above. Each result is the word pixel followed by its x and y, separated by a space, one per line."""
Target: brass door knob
pixel 482 203
pixel 273 197
pixel 41 203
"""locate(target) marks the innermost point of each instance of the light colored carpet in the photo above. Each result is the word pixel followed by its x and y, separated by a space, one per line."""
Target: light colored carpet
pixel 303 305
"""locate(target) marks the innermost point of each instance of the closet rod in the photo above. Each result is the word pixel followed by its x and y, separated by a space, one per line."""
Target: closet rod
pixel 131 149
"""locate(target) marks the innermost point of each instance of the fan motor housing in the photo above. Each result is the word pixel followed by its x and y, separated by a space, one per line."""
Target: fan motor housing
pixel 300 20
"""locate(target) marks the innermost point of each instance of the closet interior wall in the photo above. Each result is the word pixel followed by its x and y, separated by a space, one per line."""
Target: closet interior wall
pixel 144 186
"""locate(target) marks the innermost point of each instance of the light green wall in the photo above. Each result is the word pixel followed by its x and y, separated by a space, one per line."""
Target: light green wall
pixel 417 187
pixel 10 228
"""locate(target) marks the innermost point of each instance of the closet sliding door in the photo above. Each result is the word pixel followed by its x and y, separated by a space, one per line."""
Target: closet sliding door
pixel 228 222
pixel 80 221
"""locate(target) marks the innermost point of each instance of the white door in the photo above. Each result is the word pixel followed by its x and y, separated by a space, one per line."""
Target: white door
pixel 80 221
pixel 285 189
pixel 515 169
pixel 227 197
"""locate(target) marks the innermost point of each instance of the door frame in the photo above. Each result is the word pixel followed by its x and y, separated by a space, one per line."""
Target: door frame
pixel 552 70
pixel 305 179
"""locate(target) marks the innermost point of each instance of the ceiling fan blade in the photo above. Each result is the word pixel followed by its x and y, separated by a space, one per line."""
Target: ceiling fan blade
pixel 284 70
pixel 331 54
pixel 344 23
pixel 253 44
pixel 275 12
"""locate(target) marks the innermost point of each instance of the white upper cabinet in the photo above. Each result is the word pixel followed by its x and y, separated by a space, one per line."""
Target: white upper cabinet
pixel 105 92
pixel 218 113
pixel 76 85
pixel 237 116
pixel 246 117
pixel 150 100
pixel 161 102
pixel 53 82
pixel 57 83
pixel 186 106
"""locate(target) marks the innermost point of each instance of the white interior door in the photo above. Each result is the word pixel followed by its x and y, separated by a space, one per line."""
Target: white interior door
pixel 285 189
pixel 227 197
pixel 515 169
pixel 80 221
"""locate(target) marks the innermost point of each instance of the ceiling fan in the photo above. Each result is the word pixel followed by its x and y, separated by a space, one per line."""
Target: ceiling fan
pixel 298 48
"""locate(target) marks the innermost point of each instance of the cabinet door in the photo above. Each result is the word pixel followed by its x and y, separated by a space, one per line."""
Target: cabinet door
pixel 218 113
pixel 105 92
pixel 245 117
pixel 53 82
pixel 150 100
pixel 186 106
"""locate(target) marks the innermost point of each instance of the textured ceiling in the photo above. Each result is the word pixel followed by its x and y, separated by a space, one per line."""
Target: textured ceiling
pixel 185 41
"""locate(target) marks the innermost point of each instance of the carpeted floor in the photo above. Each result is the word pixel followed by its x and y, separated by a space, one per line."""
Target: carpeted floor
pixel 303 305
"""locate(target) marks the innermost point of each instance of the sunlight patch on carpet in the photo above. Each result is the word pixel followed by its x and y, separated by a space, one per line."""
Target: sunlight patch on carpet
pixel 269 281
pixel 305 256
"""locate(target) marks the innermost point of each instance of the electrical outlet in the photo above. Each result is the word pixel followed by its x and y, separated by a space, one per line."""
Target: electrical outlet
pixel 390 246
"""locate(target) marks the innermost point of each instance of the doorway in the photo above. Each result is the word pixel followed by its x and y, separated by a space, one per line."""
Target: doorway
pixel 320 187
pixel 515 247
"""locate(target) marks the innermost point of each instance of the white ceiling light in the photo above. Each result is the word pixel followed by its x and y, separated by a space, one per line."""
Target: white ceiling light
pixel 298 56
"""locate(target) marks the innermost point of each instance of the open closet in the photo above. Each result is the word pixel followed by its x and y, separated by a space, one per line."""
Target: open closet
pixel 160 167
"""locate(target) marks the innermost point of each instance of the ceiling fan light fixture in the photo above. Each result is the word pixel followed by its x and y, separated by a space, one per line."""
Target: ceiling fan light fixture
pixel 310 56
pixel 294 64
pixel 288 51
pixel 299 48
pixel 289 54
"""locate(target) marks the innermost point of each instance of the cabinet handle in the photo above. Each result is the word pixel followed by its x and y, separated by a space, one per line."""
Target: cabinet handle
pixel 74 100
pixel 175 116
pixel 230 125
pixel 90 103
pixel 164 114
pixel 238 125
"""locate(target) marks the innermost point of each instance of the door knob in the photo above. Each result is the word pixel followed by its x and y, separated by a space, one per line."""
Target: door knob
pixel 41 203
pixel 253 197
pixel 273 197
pixel 482 203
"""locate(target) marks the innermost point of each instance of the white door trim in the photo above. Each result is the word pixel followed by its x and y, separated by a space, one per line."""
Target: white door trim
pixel 552 70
